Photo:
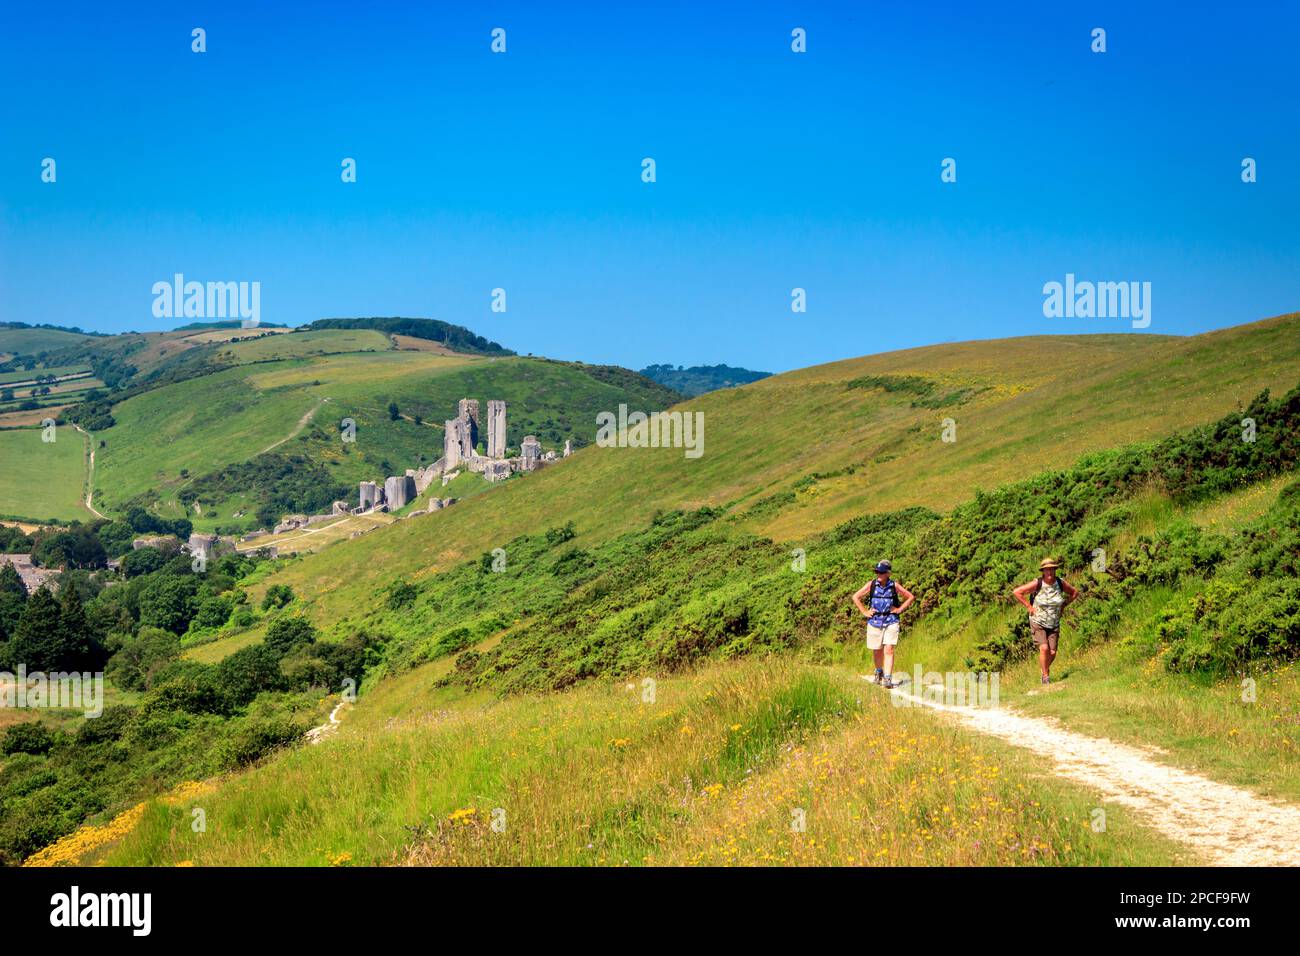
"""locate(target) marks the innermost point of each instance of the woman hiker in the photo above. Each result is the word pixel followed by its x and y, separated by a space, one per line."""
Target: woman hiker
pixel 1046 597
pixel 882 593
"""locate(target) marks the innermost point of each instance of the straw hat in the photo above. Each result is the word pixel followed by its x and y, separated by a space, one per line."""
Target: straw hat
pixel 1046 563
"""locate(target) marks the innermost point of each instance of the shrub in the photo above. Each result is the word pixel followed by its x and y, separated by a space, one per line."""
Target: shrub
pixel 288 633
pixel 32 737
pixel 277 596
pixel 400 595
pixel 140 658
pixel 256 738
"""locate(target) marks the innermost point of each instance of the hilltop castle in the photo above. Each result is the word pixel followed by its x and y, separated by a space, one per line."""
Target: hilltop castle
pixel 460 443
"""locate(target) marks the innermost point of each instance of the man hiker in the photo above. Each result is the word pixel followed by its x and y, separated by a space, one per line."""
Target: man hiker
pixel 882 594
pixel 1046 597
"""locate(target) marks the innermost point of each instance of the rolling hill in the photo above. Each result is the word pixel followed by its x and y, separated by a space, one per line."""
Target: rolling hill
pixel 641 657
pixel 209 400
pixel 793 455
pixel 699 379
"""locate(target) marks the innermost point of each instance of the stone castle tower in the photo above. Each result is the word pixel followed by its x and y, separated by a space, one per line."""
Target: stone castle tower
pixel 496 429
pixel 467 408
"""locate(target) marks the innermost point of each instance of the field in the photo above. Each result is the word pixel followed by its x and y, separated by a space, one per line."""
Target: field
pixel 43 480
pixel 11 379
pixel 307 344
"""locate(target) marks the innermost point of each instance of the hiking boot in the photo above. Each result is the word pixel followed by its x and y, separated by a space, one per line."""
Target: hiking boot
pixel 1047 680
pixel 888 683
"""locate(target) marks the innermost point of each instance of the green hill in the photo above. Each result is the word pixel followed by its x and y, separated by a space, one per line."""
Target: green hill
pixel 288 394
pixel 19 339
pixel 455 337
pixel 642 656
pixel 796 454
pixel 699 379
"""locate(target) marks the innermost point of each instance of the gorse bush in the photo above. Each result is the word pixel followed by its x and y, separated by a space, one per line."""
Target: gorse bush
pixel 691 586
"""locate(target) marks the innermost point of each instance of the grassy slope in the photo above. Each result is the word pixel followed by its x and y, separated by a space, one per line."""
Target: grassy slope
pixel 43 480
pixel 761 439
pixel 34 341
pixel 708 772
pixel 605 769
pixel 205 423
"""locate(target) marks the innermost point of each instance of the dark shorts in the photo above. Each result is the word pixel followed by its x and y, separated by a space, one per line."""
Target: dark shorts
pixel 1043 636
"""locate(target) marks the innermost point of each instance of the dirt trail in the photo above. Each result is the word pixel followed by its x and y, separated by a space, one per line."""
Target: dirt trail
pixel 90 472
pixel 317 734
pixel 302 423
pixel 1227 825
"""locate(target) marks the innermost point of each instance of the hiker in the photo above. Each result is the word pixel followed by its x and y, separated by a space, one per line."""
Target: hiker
pixel 882 593
pixel 1046 597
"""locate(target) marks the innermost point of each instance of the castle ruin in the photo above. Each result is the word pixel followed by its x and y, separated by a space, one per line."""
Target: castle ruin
pixel 460 442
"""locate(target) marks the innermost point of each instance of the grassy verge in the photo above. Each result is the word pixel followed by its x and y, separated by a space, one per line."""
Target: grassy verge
pixel 703 768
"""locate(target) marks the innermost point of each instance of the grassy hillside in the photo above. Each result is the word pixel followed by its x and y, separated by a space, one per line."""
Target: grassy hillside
pixel 708 772
pixel 36 340
pixel 506 642
pixel 44 480
pixel 287 395
pixel 796 454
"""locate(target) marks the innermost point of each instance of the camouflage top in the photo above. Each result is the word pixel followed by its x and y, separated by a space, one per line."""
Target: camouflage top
pixel 1048 604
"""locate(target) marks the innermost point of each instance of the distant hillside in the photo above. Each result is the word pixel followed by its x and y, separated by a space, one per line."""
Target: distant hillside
pixel 455 337
pixel 19 338
pixel 75 330
pixel 227 324
pixel 260 416
pixel 699 379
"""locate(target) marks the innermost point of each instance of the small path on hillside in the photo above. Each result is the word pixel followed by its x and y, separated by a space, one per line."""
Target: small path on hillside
pixel 1227 825
pixel 302 423
pixel 90 472
pixel 317 734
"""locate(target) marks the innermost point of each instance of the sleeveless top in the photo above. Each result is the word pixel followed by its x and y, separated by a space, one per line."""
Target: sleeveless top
pixel 882 604
pixel 1048 604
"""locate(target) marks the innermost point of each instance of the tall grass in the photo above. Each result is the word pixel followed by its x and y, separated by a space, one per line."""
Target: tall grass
pixel 601 776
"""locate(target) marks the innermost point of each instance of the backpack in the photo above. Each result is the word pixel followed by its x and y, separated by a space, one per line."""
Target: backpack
pixel 1038 584
pixel 875 583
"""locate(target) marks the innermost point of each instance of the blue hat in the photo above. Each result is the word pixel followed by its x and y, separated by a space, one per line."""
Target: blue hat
pixel 884 566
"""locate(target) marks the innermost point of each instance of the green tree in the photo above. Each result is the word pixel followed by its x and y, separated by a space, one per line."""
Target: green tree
pixel 289 632
pixel 13 595
pixel 143 561
pixel 141 657
pixel 38 636
pixel 212 612
pixel 78 647
pixel 169 602
pixel 116 536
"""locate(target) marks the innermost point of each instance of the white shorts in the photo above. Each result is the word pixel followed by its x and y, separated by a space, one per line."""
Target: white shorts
pixel 877 636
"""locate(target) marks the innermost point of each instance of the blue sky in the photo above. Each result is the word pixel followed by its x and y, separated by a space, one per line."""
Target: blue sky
pixel 775 170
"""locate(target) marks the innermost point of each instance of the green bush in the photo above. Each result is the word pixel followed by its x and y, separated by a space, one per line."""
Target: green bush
pixel 277 596
pixel 256 738
pixel 32 737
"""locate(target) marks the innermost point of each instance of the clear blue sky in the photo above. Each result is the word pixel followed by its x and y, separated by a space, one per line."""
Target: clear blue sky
pixel 775 170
